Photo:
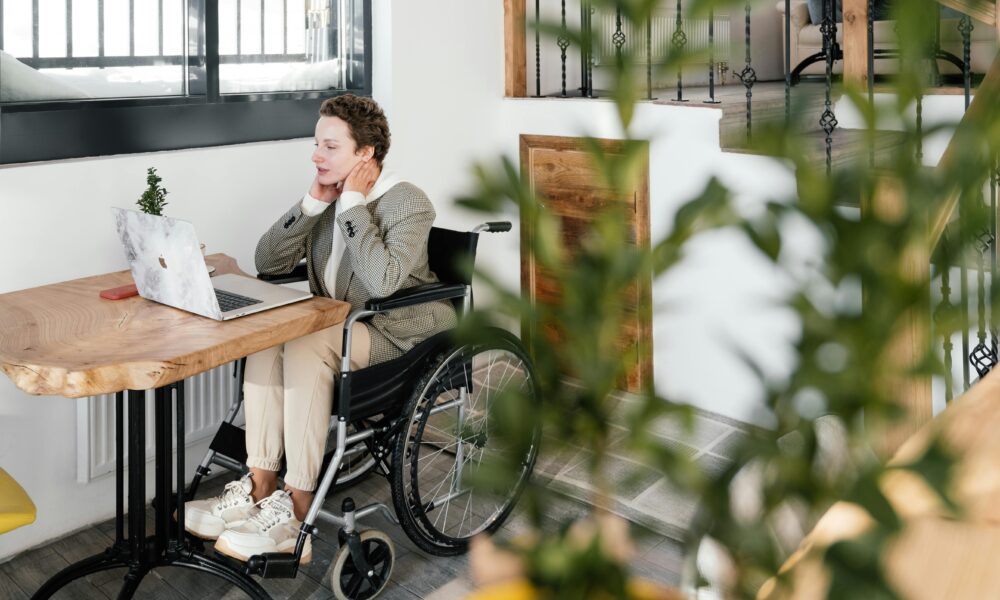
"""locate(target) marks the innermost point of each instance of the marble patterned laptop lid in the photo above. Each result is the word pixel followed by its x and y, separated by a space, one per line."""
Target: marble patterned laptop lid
pixel 166 261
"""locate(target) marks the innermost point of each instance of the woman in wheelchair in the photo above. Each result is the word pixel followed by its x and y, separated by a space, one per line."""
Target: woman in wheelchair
pixel 364 234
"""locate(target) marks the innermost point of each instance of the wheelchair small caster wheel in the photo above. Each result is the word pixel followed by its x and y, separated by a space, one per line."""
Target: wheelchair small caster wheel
pixel 347 580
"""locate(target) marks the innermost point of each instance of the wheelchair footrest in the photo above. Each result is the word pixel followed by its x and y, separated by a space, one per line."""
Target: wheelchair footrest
pixel 273 565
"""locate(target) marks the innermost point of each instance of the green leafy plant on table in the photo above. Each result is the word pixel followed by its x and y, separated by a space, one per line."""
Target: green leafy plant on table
pixel 154 198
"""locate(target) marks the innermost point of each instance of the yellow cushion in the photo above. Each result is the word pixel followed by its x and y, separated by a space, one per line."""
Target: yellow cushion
pixel 16 508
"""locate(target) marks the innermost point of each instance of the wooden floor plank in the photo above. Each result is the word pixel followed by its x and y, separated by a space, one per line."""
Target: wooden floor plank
pixel 10 590
pixel 192 584
pixel 33 568
pixel 153 587
pixel 86 543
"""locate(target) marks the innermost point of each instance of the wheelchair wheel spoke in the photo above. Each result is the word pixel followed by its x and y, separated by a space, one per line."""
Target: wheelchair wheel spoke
pixel 444 449
pixel 354 584
pixel 437 488
pixel 429 458
pixel 465 514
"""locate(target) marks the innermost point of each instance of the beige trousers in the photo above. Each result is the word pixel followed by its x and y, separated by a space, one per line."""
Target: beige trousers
pixel 288 397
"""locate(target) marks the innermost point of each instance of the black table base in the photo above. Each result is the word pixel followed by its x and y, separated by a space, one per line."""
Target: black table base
pixel 170 545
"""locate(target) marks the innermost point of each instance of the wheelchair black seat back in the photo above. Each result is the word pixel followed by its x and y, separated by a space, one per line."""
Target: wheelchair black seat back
pixel 421 420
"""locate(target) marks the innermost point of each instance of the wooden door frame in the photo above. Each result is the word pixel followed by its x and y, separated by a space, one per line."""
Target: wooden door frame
pixel 642 238
pixel 515 55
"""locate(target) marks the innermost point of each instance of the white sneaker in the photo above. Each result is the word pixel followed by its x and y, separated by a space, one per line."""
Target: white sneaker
pixel 273 529
pixel 210 517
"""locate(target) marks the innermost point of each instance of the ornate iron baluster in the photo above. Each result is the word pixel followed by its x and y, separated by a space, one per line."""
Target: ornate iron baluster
pixel 649 58
pixel 965 27
pixel 563 42
pixel 583 48
pixel 711 58
pixel 586 50
pixel 828 121
pixel 942 312
pixel 678 41
pixel 788 62
pixel 618 39
pixel 920 128
pixel 963 295
pixel 590 50
pixel 749 77
pixel 538 55
pixel 983 357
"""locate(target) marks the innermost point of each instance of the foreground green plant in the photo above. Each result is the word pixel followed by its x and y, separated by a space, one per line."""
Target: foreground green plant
pixel 845 355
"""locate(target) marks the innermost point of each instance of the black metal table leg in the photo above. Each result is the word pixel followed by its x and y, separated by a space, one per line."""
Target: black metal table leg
pixel 136 474
pixel 168 546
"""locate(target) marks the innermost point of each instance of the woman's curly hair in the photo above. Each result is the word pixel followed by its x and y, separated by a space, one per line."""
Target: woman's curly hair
pixel 365 120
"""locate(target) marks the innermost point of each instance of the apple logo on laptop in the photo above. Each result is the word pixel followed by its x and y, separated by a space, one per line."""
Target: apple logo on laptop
pixel 163 263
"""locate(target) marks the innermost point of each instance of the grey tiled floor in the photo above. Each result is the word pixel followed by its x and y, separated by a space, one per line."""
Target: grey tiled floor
pixel 660 513
pixel 643 495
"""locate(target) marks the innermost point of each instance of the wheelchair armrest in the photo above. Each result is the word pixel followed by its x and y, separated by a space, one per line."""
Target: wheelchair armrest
pixel 299 273
pixel 420 294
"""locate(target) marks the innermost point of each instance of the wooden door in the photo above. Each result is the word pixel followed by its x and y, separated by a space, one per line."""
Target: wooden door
pixel 563 174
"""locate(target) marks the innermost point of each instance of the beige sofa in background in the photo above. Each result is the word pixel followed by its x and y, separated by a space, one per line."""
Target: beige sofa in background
pixel 806 40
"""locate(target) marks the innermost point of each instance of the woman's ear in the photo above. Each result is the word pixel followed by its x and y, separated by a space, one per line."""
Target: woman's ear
pixel 367 152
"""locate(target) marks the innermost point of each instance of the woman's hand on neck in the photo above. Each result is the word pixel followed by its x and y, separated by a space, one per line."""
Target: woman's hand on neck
pixel 362 177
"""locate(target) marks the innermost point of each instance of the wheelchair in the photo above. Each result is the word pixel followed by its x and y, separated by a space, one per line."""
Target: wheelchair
pixel 421 420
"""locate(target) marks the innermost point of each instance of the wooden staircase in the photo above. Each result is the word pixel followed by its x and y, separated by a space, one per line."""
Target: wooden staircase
pixel 768 111
pixel 980 10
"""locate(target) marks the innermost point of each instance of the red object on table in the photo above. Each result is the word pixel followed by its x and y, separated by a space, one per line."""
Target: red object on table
pixel 125 291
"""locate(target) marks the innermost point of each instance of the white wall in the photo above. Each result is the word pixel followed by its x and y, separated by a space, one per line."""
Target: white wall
pixel 718 298
pixel 442 87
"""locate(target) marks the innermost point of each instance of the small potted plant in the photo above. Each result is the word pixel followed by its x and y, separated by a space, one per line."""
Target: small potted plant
pixel 153 199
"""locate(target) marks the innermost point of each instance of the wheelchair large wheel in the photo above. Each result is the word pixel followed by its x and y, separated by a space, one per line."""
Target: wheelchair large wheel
pixel 447 438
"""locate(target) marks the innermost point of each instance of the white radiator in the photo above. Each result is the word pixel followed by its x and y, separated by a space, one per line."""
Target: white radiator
pixel 663 26
pixel 207 399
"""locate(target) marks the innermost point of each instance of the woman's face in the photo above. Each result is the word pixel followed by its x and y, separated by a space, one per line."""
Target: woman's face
pixel 336 152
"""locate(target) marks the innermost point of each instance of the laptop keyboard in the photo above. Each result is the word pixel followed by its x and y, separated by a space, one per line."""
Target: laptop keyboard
pixel 229 301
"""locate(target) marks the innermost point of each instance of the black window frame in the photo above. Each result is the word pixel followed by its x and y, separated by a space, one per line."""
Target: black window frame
pixel 45 131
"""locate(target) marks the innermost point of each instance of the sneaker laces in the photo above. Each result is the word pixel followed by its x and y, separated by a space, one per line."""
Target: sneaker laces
pixel 232 495
pixel 272 512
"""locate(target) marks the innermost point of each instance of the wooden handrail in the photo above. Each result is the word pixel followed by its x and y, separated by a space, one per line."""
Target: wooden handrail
pixel 937 555
pixel 984 109
pixel 980 10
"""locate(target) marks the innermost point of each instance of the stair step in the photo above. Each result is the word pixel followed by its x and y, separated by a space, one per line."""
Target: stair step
pixel 942 90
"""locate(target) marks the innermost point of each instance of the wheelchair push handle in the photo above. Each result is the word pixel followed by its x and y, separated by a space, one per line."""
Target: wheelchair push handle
pixel 493 227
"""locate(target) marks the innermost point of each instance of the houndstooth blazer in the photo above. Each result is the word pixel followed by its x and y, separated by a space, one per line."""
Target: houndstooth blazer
pixel 386 251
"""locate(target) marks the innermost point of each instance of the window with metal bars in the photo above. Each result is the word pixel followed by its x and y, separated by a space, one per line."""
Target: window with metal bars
pixel 96 77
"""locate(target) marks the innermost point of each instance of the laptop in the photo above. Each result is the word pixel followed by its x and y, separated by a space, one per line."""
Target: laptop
pixel 169 268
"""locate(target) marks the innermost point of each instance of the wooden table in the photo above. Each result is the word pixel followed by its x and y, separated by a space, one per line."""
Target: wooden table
pixel 63 339
pixel 937 555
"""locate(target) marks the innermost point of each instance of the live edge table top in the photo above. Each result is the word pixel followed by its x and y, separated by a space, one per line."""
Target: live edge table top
pixel 63 339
